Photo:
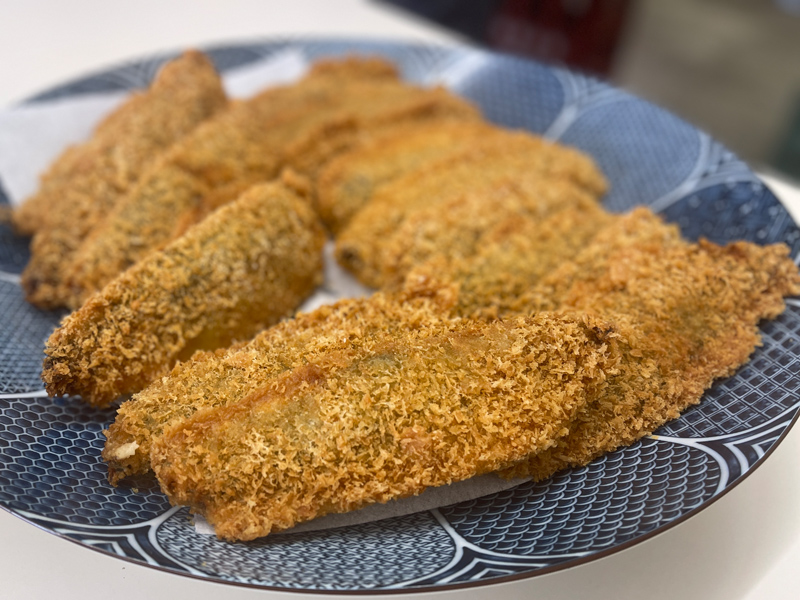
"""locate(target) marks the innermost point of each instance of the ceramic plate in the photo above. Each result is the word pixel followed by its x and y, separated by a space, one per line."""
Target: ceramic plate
pixel 50 468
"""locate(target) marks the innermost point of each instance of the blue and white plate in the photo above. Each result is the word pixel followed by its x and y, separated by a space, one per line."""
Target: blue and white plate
pixel 51 473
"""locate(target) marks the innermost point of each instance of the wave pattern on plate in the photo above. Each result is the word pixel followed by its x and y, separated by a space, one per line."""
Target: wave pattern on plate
pixel 499 86
pixel 616 498
pixel 356 557
pixel 743 210
pixel 627 131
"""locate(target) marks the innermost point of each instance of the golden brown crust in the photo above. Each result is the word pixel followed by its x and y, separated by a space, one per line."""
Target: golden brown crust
pixel 406 108
pixel 463 398
pixel 301 125
pixel 213 379
pixel 689 312
pixel 88 180
pixel 348 181
pixel 243 268
pixel 525 159
pixel 527 231
pixel 444 374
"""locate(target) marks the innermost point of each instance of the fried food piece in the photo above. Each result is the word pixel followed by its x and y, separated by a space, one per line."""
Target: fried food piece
pixel 685 315
pixel 212 379
pixel 494 282
pixel 89 180
pixel 524 233
pixel 527 160
pixel 144 124
pixel 435 125
pixel 348 181
pixel 249 143
pixel 464 398
pixel 244 268
pixel 238 148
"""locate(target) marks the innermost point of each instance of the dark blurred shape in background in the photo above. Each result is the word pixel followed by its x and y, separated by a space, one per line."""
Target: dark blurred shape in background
pixel 580 33
pixel 731 67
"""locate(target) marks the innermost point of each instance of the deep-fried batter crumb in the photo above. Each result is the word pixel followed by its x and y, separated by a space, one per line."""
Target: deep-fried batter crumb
pixel 527 160
pixel 245 267
pixel 218 378
pixel 88 180
pixel 301 125
pixel 687 314
pixel 420 409
pixel 348 182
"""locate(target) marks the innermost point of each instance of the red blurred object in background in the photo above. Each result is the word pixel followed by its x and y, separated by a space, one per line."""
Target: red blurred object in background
pixel 580 33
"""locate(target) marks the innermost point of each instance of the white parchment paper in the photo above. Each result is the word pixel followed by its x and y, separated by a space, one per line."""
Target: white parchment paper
pixel 32 136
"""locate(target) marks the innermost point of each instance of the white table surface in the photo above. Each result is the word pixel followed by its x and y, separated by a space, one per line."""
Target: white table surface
pixel 745 546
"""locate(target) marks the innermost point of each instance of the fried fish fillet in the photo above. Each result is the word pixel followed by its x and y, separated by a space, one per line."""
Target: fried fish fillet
pixel 419 410
pixel 247 266
pixel 348 181
pixel 212 379
pixel 88 180
pixel 437 106
pixel 530 230
pixel 249 143
pixel 236 149
pixel 685 315
pixel 527 160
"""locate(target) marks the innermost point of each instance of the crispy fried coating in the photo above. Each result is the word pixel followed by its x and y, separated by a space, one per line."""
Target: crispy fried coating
pixel 86 183
pixel 212 379
pixel 527 160
pixel 238 148
pixel 685 315
pixel 435 108
pixel 348 181
pixel 462 399
pixel 249 143
pixel 526 231
pixel 245 267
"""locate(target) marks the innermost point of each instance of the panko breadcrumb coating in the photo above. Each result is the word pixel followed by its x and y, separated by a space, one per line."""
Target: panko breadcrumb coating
pixel 88 180
pixel 530 228
pixel 526 159
pixel 348 181
pixel 218 378
pixel 251 142
pixel 520 328
pixel 239 147
pixel 686 314
pixel 247 266
pixel 435 108
pixel 422 409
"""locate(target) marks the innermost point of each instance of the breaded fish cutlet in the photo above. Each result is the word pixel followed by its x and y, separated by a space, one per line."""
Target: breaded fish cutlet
pixel 239 147
pixel 244 268
pixel 531 230
pixel 348 181
pixel 93 177
pixel 212 379
pixel 464 398
pixel 527 160
pixel 247 144
pixel 690 314
pixel 187 83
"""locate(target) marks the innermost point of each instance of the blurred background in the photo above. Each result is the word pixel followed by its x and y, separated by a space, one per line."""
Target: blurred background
pixel 731 67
